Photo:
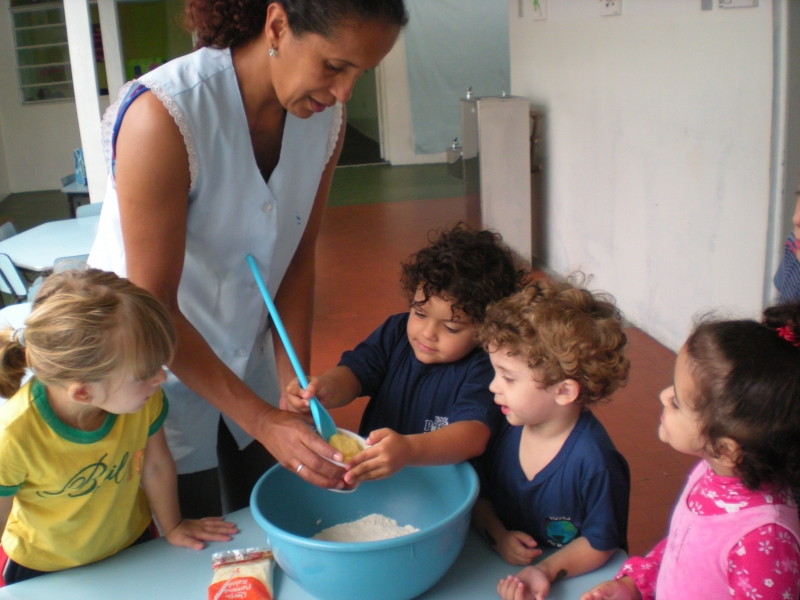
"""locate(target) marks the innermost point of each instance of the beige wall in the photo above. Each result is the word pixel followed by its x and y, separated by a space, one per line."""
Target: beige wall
pixel 656 150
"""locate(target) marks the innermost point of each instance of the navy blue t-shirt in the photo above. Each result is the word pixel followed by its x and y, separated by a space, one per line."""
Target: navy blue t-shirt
pixel 583 491
pixel 411 397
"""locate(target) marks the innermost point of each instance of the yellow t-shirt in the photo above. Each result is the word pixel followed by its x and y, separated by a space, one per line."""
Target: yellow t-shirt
pixel 76 493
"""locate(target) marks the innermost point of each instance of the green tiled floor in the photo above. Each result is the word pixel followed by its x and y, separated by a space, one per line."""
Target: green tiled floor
pixel 385 183
pixel 28 209
pixel 351 185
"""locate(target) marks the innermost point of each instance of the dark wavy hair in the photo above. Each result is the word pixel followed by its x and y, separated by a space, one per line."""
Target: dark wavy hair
pixel 747 376
pixel 233 23
pixel 562 331
pixel 470 268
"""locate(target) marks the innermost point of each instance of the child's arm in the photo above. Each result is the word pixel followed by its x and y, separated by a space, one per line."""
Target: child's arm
pixel 619 589
pixel 388 451
pixel 335 388
pixel 636 579
pixel 160 485
pixel 516 547
pixel 577 558
pixel 6 502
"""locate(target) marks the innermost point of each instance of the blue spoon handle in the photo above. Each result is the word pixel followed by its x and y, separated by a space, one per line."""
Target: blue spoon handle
pixel 325 425
pixel 276 321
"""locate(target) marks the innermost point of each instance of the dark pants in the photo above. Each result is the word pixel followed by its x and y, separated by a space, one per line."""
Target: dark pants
pixel 14 572
pixel 227 488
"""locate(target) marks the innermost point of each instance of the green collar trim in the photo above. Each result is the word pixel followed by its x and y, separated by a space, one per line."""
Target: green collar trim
pixel 39 394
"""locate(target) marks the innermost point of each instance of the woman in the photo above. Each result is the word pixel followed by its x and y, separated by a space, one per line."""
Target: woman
pixel 228 151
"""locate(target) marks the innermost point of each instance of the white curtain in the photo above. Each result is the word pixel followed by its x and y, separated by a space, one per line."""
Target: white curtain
pixel 451 45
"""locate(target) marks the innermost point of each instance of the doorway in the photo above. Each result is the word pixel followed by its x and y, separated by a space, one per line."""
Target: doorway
pixel 362 141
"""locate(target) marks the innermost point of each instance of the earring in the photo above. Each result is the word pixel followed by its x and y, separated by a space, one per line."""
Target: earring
pixel 273 53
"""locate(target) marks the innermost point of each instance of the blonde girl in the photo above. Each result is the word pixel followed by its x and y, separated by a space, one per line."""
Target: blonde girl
pixel 83 457
pixel 735 404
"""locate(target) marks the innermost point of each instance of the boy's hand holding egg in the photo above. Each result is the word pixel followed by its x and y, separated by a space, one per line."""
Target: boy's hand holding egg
pixel 387 452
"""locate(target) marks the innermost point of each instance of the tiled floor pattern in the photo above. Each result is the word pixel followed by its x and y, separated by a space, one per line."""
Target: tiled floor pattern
pixel 358 258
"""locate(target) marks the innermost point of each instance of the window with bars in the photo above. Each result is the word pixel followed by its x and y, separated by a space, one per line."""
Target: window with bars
pixel 40 41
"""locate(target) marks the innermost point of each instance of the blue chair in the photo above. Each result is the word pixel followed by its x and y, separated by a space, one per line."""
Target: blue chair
pixel 11 282
pixel 89 210
pixel 66 263
pixel 7 230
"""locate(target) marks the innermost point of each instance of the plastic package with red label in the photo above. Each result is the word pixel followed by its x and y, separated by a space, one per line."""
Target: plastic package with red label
pixel 242 575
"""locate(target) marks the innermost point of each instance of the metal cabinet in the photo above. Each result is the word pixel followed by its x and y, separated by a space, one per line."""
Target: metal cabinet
pixel 496 146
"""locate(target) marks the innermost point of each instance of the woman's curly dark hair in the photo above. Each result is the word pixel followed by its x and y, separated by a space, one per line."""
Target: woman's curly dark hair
pixel 747 379
pixel 470 268
pixel 233 23
pixel 563 332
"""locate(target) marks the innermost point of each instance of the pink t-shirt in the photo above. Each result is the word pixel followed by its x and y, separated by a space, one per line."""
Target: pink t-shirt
pixel 764 563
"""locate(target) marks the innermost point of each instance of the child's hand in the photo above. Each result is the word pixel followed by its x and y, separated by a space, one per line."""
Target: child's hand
pixel 517 547
pixel 191 533
pixel 621 589
pixel 387 452
pixel 529 584
pixel 512 588
pixel 298 397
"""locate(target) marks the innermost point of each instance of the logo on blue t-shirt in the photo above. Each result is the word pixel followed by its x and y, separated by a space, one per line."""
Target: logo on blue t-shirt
pixel 437 423
pixel 560 531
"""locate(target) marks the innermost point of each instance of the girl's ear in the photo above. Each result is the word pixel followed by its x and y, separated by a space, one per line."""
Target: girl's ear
pixel 729 452
pixel 567 392
pixel 80 392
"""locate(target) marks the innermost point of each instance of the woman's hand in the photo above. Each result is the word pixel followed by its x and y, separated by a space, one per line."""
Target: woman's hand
pixel 621 589
pixel 517 547
pixel 387 452
pixel 192 533
pixel 292 441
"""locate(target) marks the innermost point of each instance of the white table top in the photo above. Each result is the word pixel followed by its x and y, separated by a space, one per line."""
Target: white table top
pixel 157 571
pixel 36 249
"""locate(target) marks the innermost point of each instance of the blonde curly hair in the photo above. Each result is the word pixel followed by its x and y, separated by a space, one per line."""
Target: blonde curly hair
pixel 563 331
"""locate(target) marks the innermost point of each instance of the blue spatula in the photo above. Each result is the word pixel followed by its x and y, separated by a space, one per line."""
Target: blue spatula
pixel 322 419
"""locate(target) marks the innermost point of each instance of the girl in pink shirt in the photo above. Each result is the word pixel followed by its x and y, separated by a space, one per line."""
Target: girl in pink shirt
pixel 735 403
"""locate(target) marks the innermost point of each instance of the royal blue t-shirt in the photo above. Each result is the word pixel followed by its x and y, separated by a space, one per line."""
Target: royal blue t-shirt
pixel 411 397
pixel 583 491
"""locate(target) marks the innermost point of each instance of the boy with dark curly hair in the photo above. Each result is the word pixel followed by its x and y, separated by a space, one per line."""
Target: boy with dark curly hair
pixel 551 476
pixel 425 374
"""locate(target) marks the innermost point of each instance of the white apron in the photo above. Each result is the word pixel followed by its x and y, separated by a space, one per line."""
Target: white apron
pixel 232 212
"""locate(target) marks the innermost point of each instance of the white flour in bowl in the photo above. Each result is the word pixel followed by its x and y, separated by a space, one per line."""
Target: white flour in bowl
pixel 367 529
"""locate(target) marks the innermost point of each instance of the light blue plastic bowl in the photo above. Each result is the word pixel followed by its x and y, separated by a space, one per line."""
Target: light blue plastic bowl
pixel 436 500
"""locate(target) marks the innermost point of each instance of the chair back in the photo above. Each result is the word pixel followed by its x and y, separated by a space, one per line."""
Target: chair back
pixel 7 230
pixel 66 263
pixel 89 210
pixel 10 280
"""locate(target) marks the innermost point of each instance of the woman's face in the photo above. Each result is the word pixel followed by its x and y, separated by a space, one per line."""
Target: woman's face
pixel 311 73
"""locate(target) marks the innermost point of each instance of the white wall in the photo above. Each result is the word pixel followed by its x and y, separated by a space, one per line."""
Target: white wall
pixel 39 140
pixel 656 140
